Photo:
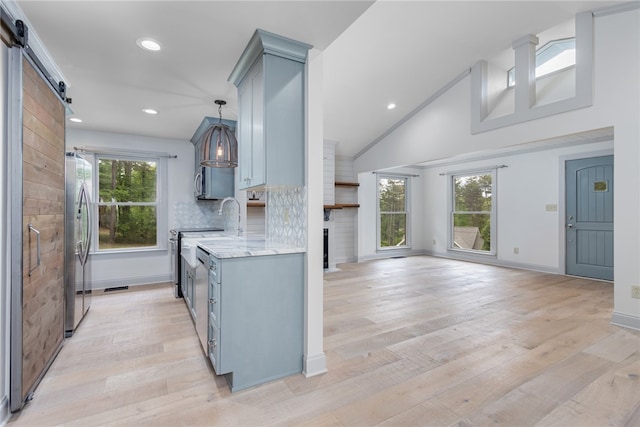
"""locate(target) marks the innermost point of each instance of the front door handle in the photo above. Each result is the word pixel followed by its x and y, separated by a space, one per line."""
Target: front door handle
pixel 570 225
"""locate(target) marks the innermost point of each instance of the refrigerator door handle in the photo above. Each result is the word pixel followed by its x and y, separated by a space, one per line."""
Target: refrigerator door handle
pixel 85 244
pixel 32 228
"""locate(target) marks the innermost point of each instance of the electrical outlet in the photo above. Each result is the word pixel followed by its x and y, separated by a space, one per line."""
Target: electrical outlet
pixel 516 251
pixel 635 292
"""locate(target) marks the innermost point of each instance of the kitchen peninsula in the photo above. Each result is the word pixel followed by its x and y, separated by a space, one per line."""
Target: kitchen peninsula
pixel 246 295
pixel 255 310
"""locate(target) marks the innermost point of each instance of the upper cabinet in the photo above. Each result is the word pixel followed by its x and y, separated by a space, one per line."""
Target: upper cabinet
pixel 271 111
pixel 211 183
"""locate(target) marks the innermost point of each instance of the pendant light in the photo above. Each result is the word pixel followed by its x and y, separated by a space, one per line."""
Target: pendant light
pixel 219 148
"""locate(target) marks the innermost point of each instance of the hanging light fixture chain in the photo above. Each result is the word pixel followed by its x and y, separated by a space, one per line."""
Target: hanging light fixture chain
pixel 220 103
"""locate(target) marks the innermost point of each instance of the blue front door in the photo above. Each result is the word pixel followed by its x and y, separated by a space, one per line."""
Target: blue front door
pixel 589 217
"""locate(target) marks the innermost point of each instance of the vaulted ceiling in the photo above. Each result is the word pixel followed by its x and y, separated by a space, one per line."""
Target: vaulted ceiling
pixel 374 53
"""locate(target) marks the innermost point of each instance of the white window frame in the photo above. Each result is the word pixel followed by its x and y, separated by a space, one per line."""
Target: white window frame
pixel 493 220
pixel 161 202
pixel 539 53
pixel 407 211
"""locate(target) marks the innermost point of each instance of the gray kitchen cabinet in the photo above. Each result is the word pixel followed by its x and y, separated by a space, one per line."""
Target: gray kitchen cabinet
pixel 211 183
pixel 256 318
pixel 201 296
pixel 271 111
pixel 188 286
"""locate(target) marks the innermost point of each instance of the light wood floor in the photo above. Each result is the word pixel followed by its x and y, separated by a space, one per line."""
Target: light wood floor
pixel 412 341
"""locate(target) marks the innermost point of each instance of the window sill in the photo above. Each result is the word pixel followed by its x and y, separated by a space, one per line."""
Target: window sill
pixel 472 253
pixel 116 252
pixel 393 248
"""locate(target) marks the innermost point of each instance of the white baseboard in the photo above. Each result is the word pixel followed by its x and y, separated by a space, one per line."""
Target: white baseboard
pixel 4 411
pixel 129 281
pixel 346 259
pixel 391 254
pixel 314 365
pixel 626 321
pixel 494 261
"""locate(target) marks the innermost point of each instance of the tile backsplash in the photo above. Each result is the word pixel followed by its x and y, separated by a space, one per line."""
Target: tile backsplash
pixel 198 214
pixel 286 215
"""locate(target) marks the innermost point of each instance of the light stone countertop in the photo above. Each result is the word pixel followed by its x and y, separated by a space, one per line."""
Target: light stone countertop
pixel 244 246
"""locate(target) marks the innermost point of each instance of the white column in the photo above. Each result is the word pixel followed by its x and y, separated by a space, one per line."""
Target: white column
pixel 315 361
pixel 525 73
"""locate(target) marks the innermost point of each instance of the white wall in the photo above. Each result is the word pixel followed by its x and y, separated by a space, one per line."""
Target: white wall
pixel 523 190
pixel 135 268
pixel 442 130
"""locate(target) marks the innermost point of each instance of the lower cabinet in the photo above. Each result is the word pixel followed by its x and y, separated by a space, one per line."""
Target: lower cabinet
pixel 187 283
pixel 256 318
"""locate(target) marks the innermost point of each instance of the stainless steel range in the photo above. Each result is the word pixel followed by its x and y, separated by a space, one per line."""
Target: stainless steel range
pixel 182 241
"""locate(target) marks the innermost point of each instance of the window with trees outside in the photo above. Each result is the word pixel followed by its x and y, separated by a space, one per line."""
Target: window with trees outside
pixel 393 218
pixel 472 217
pixel 127 203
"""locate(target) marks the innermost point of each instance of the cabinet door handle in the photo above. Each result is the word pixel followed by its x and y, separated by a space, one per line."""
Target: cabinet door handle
pixel 197 184
pixel 32 228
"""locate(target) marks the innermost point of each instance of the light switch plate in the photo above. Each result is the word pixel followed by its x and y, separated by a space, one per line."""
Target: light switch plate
pixel 551 208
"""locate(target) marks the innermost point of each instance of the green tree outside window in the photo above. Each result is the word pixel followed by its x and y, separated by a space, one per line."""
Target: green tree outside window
pixel 393 212
pixel 127 203
pixel 472 197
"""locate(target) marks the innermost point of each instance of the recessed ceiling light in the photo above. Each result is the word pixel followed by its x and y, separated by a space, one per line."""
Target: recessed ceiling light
pixel 149 111
pixel 75 119
pixel 391 106
pixel 149 44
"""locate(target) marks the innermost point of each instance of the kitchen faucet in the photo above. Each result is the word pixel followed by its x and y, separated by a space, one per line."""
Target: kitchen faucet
pixel 220 210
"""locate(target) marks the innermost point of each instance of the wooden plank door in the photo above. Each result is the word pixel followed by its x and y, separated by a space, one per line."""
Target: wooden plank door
pixel 589 221
pixel 43 130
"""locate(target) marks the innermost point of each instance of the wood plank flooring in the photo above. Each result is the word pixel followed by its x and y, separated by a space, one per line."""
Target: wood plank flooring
pixel 416 341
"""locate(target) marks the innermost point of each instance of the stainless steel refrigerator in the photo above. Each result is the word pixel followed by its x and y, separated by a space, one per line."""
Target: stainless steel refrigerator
pixel 78 229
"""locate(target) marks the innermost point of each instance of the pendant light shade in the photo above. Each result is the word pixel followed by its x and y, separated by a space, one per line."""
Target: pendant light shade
pixel 219 148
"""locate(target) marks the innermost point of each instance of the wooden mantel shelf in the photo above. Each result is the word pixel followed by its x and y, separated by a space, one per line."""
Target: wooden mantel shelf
pixel 342 206
pixel 253 204
pixel 347 184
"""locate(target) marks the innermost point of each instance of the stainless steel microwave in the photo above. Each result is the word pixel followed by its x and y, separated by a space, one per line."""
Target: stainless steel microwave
pixel 213 183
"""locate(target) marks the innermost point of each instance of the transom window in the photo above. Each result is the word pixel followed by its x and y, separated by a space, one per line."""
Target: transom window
pixel 554 56
pixel 472 215
pixel 393 218
pixel 127 203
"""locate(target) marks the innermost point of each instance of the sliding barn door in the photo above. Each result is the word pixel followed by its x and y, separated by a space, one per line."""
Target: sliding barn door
pixel 43 210
pixel 38 289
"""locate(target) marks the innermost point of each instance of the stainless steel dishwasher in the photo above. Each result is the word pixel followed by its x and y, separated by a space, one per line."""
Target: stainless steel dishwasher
pixel 201 296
